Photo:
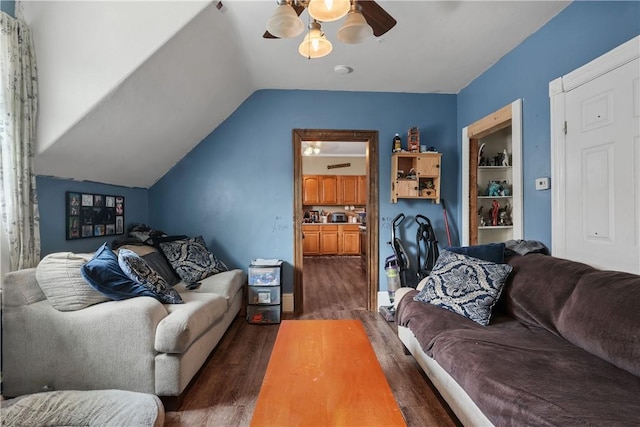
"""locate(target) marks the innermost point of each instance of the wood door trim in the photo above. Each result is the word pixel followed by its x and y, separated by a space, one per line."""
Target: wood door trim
pixel 372 158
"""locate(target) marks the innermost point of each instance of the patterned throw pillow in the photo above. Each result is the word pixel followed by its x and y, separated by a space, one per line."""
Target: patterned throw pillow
pixel 465 285
pixel 191 259
pixel 139 271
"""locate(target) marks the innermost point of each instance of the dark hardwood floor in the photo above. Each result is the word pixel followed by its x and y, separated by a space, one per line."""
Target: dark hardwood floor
pixel 225 391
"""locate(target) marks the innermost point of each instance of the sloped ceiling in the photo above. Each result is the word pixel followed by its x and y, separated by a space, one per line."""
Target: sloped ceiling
pixel 128 88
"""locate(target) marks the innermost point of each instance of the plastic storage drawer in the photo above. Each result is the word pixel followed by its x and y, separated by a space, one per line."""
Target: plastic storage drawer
pixel 263 313
pixel 264 276
pixel 264 294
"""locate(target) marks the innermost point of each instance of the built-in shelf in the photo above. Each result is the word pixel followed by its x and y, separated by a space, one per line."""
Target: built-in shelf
pixel 485 143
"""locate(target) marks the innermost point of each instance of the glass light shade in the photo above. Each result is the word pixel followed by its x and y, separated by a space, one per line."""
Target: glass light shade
pixel 328 10
pixel 355 29
pixel 315 44
pixel 285 22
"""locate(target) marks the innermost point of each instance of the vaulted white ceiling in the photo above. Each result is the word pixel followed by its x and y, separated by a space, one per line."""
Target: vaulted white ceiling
pixel 128 88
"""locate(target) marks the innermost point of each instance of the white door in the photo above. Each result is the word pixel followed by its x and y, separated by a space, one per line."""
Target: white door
pixel 602 170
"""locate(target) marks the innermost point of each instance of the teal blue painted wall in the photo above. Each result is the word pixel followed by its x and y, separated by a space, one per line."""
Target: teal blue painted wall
pixel 236 187
pixel 8 7
pixel 51 203
pixel 579 34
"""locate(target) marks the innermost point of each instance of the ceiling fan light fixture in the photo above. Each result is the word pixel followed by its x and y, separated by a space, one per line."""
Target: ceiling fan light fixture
pixel 328 10
pixel 315 44
pixel 355 29
pixel 312 148
pixel 285 22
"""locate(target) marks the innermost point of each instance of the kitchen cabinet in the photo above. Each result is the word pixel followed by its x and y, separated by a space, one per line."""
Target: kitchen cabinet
pixel 311 190
pixel 334 190
pixel 329 240
pixel 415 176
pixel 349 236
pixel 328 189
pixel 492 177
pixel 348 186
pixel 311 241
pixel 362 190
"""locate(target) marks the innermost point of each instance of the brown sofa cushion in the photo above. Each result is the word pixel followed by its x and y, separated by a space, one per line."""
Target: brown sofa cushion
pixel 539 287
pixel 521 375
pixel 602 316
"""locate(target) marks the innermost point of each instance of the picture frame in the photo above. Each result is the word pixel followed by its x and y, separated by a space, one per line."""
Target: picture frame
pixel 93 215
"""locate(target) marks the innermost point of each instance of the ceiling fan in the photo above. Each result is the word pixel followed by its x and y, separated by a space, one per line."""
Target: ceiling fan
pixel 364 17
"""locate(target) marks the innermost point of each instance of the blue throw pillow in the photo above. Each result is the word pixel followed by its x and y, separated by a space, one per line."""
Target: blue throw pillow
pixel 191 259
pixel 464 285
pixel 104 274
pixel 493 252
pixel 139 271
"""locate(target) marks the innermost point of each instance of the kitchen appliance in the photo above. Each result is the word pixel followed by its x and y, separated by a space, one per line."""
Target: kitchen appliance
pixel 338 217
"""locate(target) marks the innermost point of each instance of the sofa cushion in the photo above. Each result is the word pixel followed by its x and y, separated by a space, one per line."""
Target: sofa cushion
pixel 465 285
pixel 187 322
pixel 539 287
pixel 191 259
pixel 524 375
pixel 140 272
pixel 59 277
pixel 602 316
pixel 493 252
pixel 225 284
pixel 104 274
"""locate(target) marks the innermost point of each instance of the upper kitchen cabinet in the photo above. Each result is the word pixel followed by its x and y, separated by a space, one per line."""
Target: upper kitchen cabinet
pixel 311 190
pixel 362 190
pixel 334 190
pixel 492 177
pixel 348 189
pixel 415 176
pixel 329 190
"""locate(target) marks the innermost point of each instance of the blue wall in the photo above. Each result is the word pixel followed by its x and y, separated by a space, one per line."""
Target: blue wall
pixel 579 34
pixel 236 187
pixel 51 203
pixel 8 7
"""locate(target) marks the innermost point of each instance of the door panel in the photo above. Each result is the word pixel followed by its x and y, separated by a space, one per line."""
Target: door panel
pixel 601 166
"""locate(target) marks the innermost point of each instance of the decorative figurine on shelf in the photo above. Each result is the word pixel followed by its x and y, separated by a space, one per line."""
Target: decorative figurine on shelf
pixel 413 139
pixel 497 160
pixel 495 212
pixel 505 215
pixel 505 158
pixel 493 189
pixel 481 221
pixel 481 159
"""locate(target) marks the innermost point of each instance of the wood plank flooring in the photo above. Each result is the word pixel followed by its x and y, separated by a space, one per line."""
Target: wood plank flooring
pixel 225 391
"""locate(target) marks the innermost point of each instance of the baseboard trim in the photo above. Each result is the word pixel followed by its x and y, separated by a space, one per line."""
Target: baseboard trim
pixel 287 303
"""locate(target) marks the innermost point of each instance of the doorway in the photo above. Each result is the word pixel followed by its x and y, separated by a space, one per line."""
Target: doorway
pixel 372 206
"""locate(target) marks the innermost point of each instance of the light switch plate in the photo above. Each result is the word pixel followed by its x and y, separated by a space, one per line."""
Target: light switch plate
pixel 542 183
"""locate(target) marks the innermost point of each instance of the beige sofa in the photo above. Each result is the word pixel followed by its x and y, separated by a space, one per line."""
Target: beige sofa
pixel 137 344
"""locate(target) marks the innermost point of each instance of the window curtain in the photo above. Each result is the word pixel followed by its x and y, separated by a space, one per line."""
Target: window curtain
pixel 19 217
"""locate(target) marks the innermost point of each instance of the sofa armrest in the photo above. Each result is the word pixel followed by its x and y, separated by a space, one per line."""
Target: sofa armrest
pixel 400 293
pixel 105 346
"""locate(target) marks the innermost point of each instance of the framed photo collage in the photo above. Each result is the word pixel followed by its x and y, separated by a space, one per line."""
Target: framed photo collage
pixel 93 215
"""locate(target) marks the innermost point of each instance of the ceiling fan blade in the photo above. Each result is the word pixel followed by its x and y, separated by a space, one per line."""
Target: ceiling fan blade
pixel 378 18
pixel 297 8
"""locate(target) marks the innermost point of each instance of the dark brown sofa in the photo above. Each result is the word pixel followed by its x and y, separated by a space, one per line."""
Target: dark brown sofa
pixel 562 348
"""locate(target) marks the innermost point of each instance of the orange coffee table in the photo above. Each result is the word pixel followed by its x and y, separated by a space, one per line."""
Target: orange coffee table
pixel 325 373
